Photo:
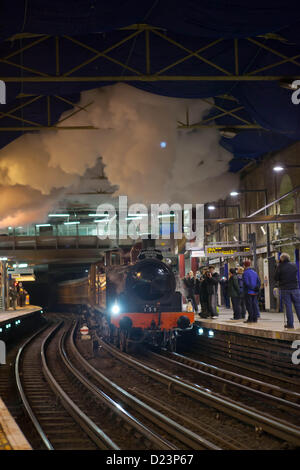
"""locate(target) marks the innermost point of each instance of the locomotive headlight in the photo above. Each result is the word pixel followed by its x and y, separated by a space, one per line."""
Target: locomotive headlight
pixel 211 334
pixel 115 309
pixel 200 331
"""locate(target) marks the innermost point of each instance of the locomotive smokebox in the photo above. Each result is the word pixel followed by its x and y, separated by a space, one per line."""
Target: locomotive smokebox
pixel 150 281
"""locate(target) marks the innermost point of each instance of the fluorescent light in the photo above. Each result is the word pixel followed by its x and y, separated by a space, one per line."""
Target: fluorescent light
pixel 137 215
pixel 234 193
pixel 165 215
pixel 98 215
pixel 228 133
pixel 235 239
pixel 278 168
pixel 58 215
pixel 22 265
pixel 133 218
pixel 71 223
pixel 211 208
pixel 263 230
pixel 43 225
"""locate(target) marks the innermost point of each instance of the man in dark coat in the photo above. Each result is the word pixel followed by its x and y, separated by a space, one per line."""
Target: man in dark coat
pixel 189 284
pixel 212 281
pixel 234 293
pixel 286 276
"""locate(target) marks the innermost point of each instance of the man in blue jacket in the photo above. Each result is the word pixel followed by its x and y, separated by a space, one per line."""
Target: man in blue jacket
pixel 286 276
pixel 252 285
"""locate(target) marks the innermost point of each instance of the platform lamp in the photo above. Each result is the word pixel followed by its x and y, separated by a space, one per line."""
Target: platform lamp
pixel 265 191
pixel 282 166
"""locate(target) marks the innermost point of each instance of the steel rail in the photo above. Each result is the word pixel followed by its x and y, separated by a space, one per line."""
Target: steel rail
pixel 93 431
pixel 199 367
pixel 182 434
pixel 110 403
pixel 22 393
pixel 276 427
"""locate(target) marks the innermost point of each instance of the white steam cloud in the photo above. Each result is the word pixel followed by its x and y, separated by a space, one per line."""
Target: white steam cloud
pixel 36 169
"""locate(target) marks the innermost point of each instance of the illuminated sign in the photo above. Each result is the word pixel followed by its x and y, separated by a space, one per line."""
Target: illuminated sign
pixel 227 250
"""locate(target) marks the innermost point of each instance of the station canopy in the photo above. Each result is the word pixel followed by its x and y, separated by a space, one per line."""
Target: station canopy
pixel 244 55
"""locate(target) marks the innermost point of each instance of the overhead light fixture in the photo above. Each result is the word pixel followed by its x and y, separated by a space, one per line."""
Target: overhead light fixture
pixel 71 223
pixel 58 215
pixel 278 168
pixel 235 239
pixel 43 225
pixel 234 193
pixel 211 208
pixel 228 133
pixel 263 230
pixel 98 215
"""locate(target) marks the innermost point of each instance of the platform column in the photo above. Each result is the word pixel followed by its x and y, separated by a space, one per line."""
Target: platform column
pixel 181 262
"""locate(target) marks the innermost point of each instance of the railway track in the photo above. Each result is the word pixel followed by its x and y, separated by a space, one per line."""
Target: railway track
pixel 281 429
pixel 185 438
pixel 228 381
pixel 55 427
pixel 70 411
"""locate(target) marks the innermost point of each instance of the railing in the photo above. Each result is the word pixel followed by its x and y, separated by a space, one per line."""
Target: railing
pixel 53 242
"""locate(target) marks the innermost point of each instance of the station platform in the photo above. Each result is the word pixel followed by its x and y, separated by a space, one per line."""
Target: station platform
pixel 269 325
pixel 7 315
pixel 11 437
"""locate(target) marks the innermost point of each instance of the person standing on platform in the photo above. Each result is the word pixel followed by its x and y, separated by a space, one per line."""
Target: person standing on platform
pixel 189 284
pixel 204 295
pixel 286 276
pixel 240 272
pixel 235 294
pixel 224 288
pixel 197 289
pixel 13 296
pixel 252 285
pixel 212 289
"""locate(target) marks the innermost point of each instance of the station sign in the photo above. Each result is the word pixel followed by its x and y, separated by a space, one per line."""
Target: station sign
pixel 19 271
pixel 229 250
pixel 197 253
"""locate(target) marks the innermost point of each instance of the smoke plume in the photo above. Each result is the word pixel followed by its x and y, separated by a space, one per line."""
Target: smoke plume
pixel 144 154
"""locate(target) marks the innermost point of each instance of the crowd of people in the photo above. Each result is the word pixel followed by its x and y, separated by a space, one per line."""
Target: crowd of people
pixel 243 288
pixel 17 296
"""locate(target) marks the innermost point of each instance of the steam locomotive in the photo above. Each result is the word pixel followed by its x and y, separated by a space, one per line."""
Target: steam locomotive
pixel 133 304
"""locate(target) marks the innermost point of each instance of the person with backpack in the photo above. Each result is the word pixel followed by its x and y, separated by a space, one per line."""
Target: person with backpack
pixel 252 285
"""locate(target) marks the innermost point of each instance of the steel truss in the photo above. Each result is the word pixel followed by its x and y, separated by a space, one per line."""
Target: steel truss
pixel 147 74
